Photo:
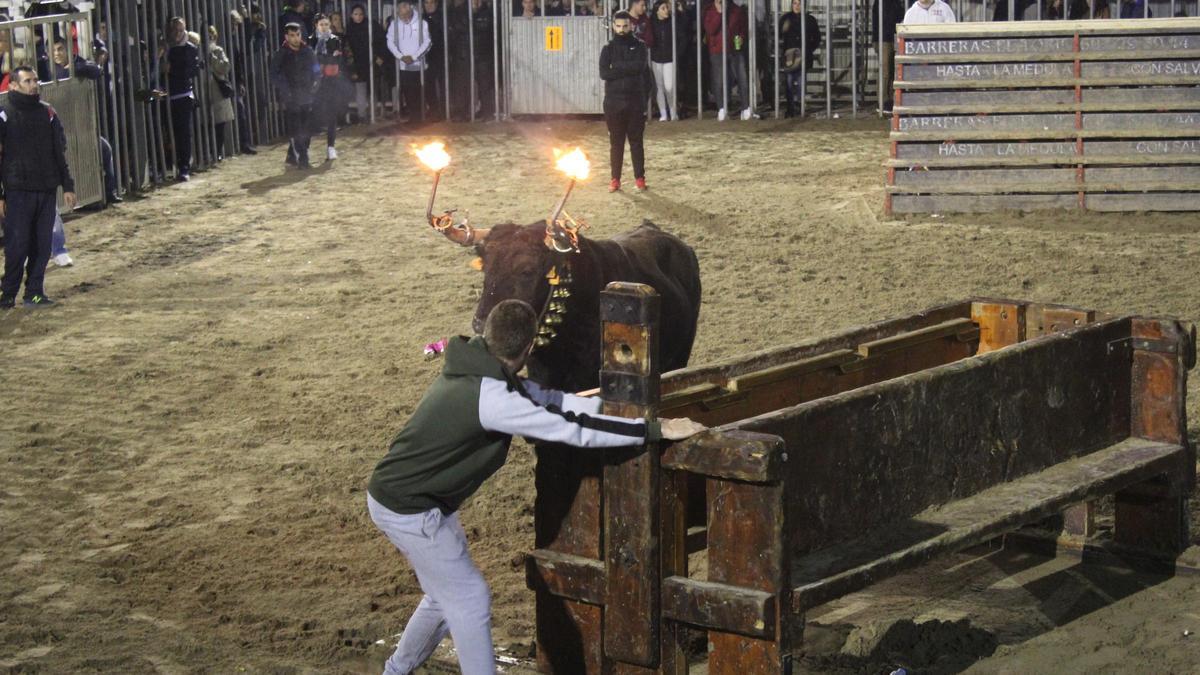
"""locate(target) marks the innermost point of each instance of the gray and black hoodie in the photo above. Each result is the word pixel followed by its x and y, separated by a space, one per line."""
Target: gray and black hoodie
pixel 460 432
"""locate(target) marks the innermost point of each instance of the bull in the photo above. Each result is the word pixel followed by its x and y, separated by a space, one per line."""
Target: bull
pixel 563 273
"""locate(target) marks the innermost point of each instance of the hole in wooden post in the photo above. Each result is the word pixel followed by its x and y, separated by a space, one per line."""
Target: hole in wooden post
pixel 624 353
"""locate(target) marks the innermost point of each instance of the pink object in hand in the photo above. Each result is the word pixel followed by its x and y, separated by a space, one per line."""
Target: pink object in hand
pixel 435 348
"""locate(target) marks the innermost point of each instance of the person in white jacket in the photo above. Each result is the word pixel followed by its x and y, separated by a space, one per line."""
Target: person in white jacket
pixel 408 40
pixel 929 11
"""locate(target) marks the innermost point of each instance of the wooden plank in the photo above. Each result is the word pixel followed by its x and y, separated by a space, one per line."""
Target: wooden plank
pixel 747 544
pixel 836 571
pixel 1052 319
pixel 566 576
pixel 1033 72
pixel 1001 324
pixel 1180 201
pixel 1046 55
pixel 737 455
pixel 692 395
pixel 1039 134
pixel 1118 27
pixel 564 632
pixel 982 162
pixel 1039 97
pixel 1184 123
pixel 983 188
pixel 968 180
pixel 948 329
pixel 984 203
pixel 987 45
pixel 629 384
pixel 722 607
pixel 790 370
pixel 998 83
pixel 1146 105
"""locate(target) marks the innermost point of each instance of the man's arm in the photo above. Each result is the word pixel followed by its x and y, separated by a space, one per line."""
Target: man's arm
pixel 86 69
pixel 509 412
pixel 553 397
pixel 426 40
pixel 393 39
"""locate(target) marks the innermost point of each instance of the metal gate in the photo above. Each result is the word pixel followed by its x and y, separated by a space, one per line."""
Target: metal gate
pixel 554 64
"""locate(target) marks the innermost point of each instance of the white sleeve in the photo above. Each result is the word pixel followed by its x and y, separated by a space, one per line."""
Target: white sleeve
pixel 563 400
pixel 511 412
pixel 393 39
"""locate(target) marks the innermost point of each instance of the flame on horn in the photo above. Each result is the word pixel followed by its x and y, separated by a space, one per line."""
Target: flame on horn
pixel 574 163
pixel 433 155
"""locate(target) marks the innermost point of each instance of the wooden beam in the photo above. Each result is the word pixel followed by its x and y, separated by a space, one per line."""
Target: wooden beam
pixel 960 329
pixel 566 576
pixel 733 454
pixel 730 609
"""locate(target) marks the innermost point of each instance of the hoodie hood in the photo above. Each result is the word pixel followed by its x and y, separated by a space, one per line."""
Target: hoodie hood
pixel 470 356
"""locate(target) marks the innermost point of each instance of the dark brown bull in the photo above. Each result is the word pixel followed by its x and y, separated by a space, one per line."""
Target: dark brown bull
pixel 563 276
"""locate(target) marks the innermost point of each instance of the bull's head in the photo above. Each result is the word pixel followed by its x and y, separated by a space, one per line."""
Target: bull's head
pixel 518 264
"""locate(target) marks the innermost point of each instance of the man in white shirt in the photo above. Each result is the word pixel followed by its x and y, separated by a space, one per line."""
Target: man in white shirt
pixel 929 11
pixel 408 39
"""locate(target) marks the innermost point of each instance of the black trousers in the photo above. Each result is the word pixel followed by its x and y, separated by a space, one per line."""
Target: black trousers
pixel 626 120
pixel 28 222
pixel 410 93
pixel 182 110
pixel 297 121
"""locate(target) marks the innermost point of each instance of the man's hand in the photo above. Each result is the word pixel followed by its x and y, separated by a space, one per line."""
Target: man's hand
pixel 70 199
pixel 717 6
pixel 679 428
pixel 379 60
pixel 406 59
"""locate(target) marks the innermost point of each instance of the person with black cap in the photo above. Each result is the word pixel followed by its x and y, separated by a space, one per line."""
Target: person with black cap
pixel 32 168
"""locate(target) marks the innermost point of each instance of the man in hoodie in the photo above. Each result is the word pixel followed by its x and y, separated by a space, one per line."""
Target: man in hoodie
pixel 294 74
pixel 628 81
pixel 408 40
pixel 457 438
pixel 33 165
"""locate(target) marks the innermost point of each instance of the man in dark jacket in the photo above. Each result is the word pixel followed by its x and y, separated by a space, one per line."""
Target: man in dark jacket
pixel 455 440
pixel 625 69
pixel 33 165
pixel 893 15
pixel 183 65
pixel 294 74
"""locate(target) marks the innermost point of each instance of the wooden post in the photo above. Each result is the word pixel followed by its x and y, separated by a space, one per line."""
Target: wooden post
pixel 1152 516
pixel 629 374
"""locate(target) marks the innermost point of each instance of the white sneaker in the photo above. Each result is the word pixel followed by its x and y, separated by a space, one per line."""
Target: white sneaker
pixel 330 153
pixel 662 118
pixel 747 114
pixel 674 117
pixel 63 260
pixel 721 114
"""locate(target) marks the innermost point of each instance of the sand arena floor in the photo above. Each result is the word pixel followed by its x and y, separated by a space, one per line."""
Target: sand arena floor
pixel 188 434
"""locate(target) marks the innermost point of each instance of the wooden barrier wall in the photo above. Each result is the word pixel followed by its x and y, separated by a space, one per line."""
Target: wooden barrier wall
pixel 1100 115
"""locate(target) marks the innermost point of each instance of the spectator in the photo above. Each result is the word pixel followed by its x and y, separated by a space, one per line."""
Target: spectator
pixel 85 69
pixel 183 65
pixel 459 53
pixel 793 43
pixel 485 58
pixel 294 72
pixel 588 8
pixel 639 20
pixel 331 94
pixel 929 11
pixel 625 69
pixel 435 60
pixel 885 42
pixel 337 26
pixel 529 9
pixel 1025 10
pixel 408 40
pixel 298 13
pixel 455 440
pixel 359 36
pixel 734 25
pixel 222 93
pixel 1135 9
pixel 665 50
pixel 32 168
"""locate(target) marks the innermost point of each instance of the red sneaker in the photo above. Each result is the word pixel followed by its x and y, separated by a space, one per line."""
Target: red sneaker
pixel 641 184
pixel 614 185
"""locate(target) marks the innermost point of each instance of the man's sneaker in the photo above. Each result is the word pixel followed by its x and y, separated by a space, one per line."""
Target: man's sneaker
pixel 291 159
pixel 304 165
pixel 614 185
pixel 747 114
pixel 721 114
pixel 641 184
pixel 8 301
pixel 330 153
pixel 183 178
pixel 63 260
pixel 38 301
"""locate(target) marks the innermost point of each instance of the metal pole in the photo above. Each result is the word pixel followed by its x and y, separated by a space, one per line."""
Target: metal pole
pixel 675 64
pixel 700 62
pixel 446 53
pixel 496 57
pixel 725 56
pixel 775 59
pixel 828 59
pixel 423 26
pixel 751 96
pixel 879 83
pixel 471 52
pixel 371 57
pixel 804 60
pixel 854 60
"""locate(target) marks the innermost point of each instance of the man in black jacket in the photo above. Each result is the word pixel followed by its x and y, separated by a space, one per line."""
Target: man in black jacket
pixel 33 164
pixel 294 74
pixel 625 69
pixel 183 65
pixel 885 42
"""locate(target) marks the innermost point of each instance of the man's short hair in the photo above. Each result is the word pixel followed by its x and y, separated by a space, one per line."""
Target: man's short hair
pixel 16 73
pixel 509 329
pixel 623 15
pixel 292 28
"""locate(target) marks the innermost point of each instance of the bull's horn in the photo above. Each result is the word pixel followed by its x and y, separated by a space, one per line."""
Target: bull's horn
pixel 462 234
pixel 558 239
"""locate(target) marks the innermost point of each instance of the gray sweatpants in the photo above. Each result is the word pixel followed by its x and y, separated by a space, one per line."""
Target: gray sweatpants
pixel 457 599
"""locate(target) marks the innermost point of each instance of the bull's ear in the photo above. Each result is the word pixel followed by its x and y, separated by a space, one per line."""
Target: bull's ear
pixel 477 264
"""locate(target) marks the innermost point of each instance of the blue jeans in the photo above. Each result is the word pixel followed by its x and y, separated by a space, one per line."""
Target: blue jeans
pixel 58 236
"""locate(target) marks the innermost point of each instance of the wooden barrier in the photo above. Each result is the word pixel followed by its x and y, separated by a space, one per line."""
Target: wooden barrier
pixel 1101 115
pixel 840 461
